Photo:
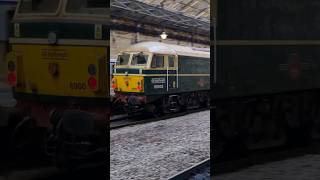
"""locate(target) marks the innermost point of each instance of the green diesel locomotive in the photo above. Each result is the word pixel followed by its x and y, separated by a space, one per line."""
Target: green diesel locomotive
pixel 160 77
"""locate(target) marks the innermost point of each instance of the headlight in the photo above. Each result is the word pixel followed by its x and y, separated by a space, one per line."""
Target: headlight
pixel 52 38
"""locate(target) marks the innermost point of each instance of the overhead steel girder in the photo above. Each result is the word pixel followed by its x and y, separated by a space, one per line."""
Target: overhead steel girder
pixel 145 13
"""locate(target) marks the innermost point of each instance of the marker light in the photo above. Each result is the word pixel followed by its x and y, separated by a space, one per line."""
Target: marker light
pixel 11 66
pixel 12 79
pixel 114 84
pixel 92 83
pixel 52 38
pixel 139 87
pixel 92 70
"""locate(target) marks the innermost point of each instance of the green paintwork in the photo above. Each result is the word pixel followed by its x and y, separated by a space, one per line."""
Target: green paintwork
pixel 158 84
pixel 63 30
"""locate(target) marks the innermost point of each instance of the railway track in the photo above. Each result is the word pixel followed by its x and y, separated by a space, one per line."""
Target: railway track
pixel 200 171
pixel 123 120
pixel 239 162
pixel 52 173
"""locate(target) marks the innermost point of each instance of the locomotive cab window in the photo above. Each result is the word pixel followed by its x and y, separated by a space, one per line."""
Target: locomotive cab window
pixel 38 6
pixel 157 61
pixel 171 63
pixel 139 59
pixel 94 7
pixel 123 59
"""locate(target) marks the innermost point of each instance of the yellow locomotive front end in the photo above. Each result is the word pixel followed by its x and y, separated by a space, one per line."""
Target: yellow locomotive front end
pixel 58 68
pixel 128 80
pixel 59 51
pixel 45 71
pixel 127 76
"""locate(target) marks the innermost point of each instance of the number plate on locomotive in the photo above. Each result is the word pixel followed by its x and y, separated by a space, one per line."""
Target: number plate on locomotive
pixel 78 86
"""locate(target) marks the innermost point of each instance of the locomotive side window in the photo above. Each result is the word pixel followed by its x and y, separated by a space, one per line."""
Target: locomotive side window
pixel 123 59
pixel 171 61
pixel 139 59
pixel 38 6
pixel 157 61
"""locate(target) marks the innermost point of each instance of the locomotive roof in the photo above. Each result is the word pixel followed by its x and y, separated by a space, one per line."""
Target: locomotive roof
pixel 163 48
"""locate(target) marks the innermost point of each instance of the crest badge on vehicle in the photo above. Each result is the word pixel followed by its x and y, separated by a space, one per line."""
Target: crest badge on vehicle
pixel 294 66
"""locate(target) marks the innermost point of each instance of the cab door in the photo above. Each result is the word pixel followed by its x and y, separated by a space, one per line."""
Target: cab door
pixel 172 72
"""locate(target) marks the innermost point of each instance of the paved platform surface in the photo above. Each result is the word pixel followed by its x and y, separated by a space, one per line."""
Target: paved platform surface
pixel 158 150
pixel 305 167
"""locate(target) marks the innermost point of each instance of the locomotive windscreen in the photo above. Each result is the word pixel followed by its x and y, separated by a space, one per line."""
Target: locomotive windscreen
pixel 88 6
pixel 38 6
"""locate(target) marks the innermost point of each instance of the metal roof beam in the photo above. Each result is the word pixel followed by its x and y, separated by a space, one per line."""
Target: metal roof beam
pixel 146 13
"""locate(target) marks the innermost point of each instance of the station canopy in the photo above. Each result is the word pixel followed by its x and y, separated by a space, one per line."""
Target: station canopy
pixel 187 15
pixel 199 9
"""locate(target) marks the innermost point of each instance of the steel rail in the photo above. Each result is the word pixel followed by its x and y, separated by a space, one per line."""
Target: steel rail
pixel 192 171
pixel 228 164
pixel 116 123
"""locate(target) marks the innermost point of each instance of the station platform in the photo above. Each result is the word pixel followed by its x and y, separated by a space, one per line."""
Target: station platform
pixel 159 150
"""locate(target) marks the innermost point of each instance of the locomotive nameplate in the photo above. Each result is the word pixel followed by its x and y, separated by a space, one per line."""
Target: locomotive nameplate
pixel 158 80
pixel 54 54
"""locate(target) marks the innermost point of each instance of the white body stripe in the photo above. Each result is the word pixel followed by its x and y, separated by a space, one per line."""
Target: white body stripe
pixel 181 75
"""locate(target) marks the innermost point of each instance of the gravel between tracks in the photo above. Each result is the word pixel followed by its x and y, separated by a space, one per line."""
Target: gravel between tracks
pixel 160 149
